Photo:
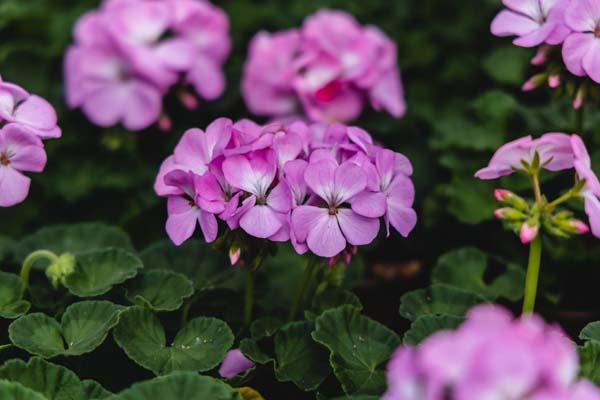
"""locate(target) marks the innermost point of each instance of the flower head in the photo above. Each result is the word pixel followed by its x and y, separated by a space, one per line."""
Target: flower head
pixel 580 48
pixel 591 188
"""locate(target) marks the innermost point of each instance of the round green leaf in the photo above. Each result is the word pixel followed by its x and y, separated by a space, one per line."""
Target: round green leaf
pixel 359 348
pixel 426 325
pixel 11 291
pixel 298 358
pixel 332 297
pixel 264 327
pixel 178 386
pixel 55 382
pixel 96 272
pixel 437 300
pixel 589 361
pixel 83 327
pixel 15 391
pixel 465 268
pixel 7 246
pixel 159 290
pixel 200 346
pixel 75 238
pixel 94 390
pixel 200 262
pixel 591 332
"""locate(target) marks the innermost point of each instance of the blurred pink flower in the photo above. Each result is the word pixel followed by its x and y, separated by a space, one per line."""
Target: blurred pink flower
pixel 581 49
pixel 591 189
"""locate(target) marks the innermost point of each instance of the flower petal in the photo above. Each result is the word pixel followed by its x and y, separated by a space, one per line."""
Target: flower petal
pixel 181 222
pixel 320 177
pixel 509 23
pixel 370 204
pixel 325 238
pixel 350 180
pixel 260 221
pixel 591 60
pixel 280 198
pixel 14 187
pixel 357 229
pixel 209 226
pixel 207 77
pixel 574 49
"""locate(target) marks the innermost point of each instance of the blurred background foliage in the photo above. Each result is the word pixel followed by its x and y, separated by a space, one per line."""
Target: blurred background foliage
pixel 464 100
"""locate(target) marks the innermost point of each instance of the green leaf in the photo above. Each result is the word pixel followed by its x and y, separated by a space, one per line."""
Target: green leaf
pixel 200 346
pixel 203 265
pixel 96 272
pixel 589 361
pixel 7 246
pixel 591 332
pixel 507 64
pixel 495 106
pixel 159 290
pixel 251 349
pixel 94 390
pixel 53 381
pixel 298 358
pixel 333 297
pixel 83 328
pixel 470 200
pixel 437 299
pixel 359 348
pixel 465 268
pixel 426 325
pixel 11 292
pixel 178 386
pixel 265 327
pixel 459 131
pixel 15 391
pixel 76 238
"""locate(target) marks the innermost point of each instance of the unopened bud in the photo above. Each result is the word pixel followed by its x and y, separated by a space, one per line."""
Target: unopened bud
pixel 164 123
pixel 347 257
pixel 580 226
pixel 528 232
pixel 510 199
pixel 234 254
pixel 579 98
pixel 188 100
pixel 571 226
pixel 58 271
pixel 332 261
pixel 541 56
pixel 509 214
pixel 554 81
pixel 533 82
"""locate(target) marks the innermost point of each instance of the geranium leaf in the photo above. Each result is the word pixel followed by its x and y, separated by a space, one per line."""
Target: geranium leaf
pixel 465 268
pixel 94 390
pixel 83 327
pixel 96 272
pixel 265 327
pixel 7 247
pixel 200 346
pixel 15 391
pixel 159 290
pixel 332 297
pixel 437 300
pixel 53 381
pixel 178 386
pixel 298 358
pixel 359 348
pixel 426 325
pixel 589 361
pixel 11 291
pixel 591 332
pixel 203 265
pixel 75 238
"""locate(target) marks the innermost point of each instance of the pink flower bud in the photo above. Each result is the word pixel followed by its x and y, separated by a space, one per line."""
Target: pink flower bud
pixel 234 255
pixel 578 101
pixel 580 226
pixel 529 85
pixel 528 233
pixel 188 100
pixel 554 81
pixel 499 213
pixel 347 257
pixel 164 123
pixel 502 194
pixel 332 261
pixel 541 56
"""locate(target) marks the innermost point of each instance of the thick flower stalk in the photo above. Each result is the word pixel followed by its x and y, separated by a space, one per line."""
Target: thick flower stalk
pixel 490 356
pixel 552 152
pixel 325 70
pixel 25 121
pixel 129 53
pixel 567 33
pixel 324 188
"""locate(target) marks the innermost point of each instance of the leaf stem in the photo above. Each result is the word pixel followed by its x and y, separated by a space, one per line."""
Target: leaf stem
pixel 249 301
pixel 185 312
pixel 31 259
pixel 5 346
pixel 533 272
pixel 298 300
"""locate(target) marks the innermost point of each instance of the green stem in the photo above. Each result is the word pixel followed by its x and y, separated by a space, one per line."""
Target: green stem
pixel 5 346
pixel 185 312
pixel 249 303
pixel 31 259
pixel 580 119
pixel 537 191
pixel 533 273
pixel 565 197
pixel 298 300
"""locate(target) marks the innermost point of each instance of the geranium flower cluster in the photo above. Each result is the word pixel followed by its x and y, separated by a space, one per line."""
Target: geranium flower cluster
pixel 25 121
pixel 327 70
pixel 551 152
pixel 574 25
pixel 490 356
pixel 322 187
pixel 129 53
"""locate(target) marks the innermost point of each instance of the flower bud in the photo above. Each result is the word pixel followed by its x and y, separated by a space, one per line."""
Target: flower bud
pixel 58 271
pixel 188 100
pixel 528 232
pixel 510 199
pixel 554 81
pixel 579 97
pixel 533 82
pixel 234 254
pixel 164 123
pixel 509 214
pixel 541 56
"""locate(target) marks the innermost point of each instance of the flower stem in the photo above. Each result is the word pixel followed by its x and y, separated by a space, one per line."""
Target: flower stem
pixel 533 273
pixel 537 191
pixel 5 346
pixel 31 259
pixel 249 303
pixel 308 272
pixel 559 200
pixel 580 120
pixel 185 312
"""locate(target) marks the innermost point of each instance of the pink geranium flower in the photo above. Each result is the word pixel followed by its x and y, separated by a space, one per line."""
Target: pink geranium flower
pixel 533 22
pixel 591 189
pixel 581 51
pixel 553 149
pixel 326 230
pixel 20 151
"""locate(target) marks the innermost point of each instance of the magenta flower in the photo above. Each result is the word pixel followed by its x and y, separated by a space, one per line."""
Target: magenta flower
pixel 580 50
pixel 255 173
pixel 533 22
pixel 591 189
pixel 326 230
pixel 326 69
pixel 490 356
pixel 31 112
pixel 553 149
pixel 20 151
pixel 184 212
pixel 234 364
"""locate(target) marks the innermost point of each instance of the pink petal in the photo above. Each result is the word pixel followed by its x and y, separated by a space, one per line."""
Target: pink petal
pixel 591 60
pixel 37 113
pixel 14 186
pixel 280 198
pixel 582 15
pixel 536 37
pixel 218 135
pixel 357 229
pixel 238 172
pixel 530 8
pixel 574 49
pixel 325 238
pixel 29 158
pixel 402 218
pixel 176 53
pixel 304 218
pixel 192 152
pixel 320 177
pixel 294 176
pixel 260 221
pixel 143 107
pixel 370 204
pixel 592 209
pixel 181 222
pixel 168 165
pixel 388 94
pixel 233 220
pixel 509 23
pixel 207 78
pixel 350 180
pixel 209 226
